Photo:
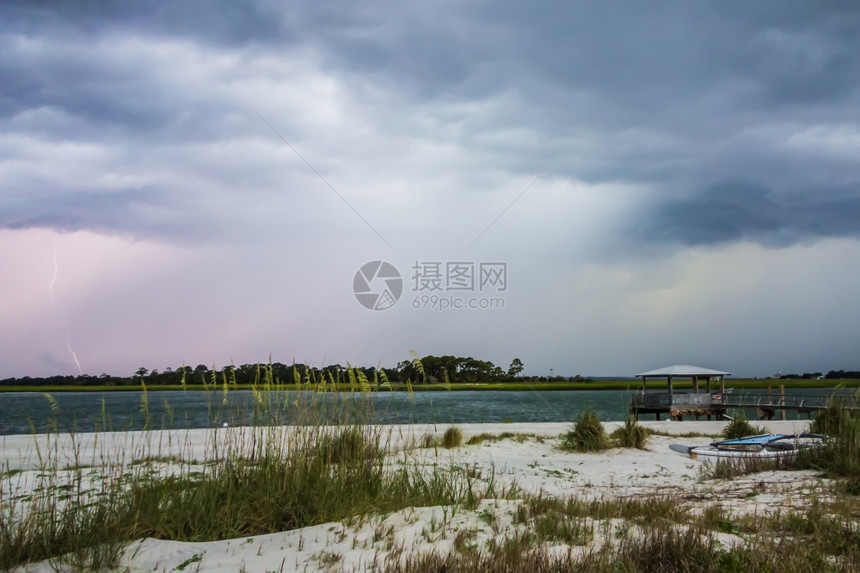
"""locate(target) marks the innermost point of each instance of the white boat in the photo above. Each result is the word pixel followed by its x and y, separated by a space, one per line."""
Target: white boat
pixel 762 446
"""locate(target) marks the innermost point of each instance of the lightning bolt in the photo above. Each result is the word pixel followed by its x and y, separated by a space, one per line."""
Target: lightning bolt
pixel 54 278
pixel 54 300
pixel 69 346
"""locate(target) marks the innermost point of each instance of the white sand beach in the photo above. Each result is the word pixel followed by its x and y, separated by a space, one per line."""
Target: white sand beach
pixel 529 460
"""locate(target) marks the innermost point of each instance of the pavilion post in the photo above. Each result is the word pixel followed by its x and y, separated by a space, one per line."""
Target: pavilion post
pixel 695 384
pixel 722 384
pixel 670 387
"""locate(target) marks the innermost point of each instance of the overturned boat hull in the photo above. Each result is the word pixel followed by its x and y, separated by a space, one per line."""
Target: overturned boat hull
pixel 767 446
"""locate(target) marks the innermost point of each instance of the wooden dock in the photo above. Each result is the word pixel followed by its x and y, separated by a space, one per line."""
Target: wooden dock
pixel 677 406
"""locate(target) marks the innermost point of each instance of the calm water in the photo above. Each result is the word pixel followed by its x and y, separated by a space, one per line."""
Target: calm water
pixel 23 413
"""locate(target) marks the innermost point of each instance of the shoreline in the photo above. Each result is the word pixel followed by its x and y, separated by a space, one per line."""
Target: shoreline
pixel 17 451
pixel 607 385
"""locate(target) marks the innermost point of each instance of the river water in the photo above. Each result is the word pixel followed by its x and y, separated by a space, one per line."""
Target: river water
pixel 29 412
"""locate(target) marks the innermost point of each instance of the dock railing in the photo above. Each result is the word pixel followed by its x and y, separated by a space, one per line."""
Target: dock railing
pixel 647 400
pixel 791 402
pixel 664 399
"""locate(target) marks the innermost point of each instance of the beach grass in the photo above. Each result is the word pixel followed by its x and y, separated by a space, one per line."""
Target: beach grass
pixel 452 438
pixel 587 434
pixel 653 534
pixel 740 427
pixel 730 468
pixel 282 483
pixel 631 435
pixel 259 479
pixel 840 455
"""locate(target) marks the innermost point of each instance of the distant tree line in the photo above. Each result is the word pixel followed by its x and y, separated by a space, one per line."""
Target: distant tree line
pixel 426 370
pixel 846 374
pixel 832 375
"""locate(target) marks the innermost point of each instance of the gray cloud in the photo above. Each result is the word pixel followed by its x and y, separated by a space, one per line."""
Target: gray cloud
pixel 219 22
pixel 118 212
pixel 666 93
pixel 738 210
pixel 50 362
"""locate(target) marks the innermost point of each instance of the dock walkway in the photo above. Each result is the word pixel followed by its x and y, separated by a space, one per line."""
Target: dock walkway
pixel 680 405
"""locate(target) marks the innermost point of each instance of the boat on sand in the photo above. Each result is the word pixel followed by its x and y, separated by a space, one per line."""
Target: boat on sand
pixel 761 446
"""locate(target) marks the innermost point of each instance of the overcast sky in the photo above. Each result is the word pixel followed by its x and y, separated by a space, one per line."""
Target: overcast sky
pixel 200 182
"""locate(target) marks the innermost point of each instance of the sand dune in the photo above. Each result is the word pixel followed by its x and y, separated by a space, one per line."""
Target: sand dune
pixel 531 460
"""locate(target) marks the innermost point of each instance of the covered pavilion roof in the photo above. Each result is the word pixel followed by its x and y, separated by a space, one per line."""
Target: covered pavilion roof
pixel 683 371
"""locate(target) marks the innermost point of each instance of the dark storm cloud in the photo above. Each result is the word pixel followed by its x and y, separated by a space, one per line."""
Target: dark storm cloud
pixel 67 73
pixel 631 53
pixel 685 79
pixel 99 98
pixel 218 22
pixel 122 212
pixel 737 210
